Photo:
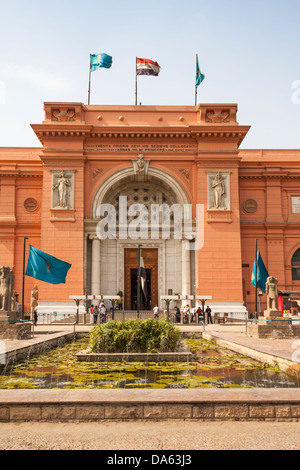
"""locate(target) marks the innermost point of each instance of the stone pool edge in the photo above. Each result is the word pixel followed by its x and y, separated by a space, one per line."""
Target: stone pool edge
pixel 284 364
pixel 143 405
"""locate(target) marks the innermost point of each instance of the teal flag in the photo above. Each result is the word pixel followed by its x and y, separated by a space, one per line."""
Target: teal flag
pixel 100 60
pixel 262 273
pixel 46 267
pixel 199 76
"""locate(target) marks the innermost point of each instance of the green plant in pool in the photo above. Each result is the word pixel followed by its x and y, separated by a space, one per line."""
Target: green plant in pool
pixel 135 336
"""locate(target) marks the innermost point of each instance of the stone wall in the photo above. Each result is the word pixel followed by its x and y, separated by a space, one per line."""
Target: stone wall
pixel 279 331
pixel 119 405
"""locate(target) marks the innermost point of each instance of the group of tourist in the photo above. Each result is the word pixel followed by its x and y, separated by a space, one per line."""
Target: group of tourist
pixel 98 312
pixel 189 314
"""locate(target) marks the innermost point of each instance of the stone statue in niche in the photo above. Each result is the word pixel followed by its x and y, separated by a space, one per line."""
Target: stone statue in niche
pixel 219 190
pixel 63 186
pixel 7 280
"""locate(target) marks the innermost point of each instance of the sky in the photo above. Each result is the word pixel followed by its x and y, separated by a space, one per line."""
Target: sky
pixel 248 51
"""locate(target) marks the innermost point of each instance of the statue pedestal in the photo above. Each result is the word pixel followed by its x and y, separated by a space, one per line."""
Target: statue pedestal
pixel 11 330
pixel 275 316
pixel 273 327
pixel 8 317
pixel 272 314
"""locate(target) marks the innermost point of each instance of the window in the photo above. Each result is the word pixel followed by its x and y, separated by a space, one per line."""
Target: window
pixel 296 266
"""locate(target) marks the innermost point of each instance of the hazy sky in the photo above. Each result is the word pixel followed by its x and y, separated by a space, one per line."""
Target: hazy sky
pixel 249 51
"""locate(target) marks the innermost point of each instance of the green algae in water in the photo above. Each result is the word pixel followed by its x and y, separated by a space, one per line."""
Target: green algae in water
pixel 213 367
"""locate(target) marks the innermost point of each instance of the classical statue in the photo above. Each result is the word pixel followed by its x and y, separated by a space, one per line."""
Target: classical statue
pixel 7 279
pixel 219 191
pixel 272 293
pixel 34 299
pixel 63 186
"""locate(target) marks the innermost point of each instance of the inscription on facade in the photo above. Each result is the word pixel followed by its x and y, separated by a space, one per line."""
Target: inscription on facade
pixel 141 148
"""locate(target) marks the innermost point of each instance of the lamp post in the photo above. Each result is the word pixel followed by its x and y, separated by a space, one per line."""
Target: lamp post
pixel 256 271
pixel 260 294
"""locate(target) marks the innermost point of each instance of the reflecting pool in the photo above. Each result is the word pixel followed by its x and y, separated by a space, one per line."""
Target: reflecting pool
pixel 212 367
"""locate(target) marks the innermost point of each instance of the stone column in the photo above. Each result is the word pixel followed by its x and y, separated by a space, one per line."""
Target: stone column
pixel 95 287
pixel 186 270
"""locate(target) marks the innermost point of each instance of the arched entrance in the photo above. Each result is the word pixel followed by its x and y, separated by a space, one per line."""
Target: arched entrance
pixel 111 263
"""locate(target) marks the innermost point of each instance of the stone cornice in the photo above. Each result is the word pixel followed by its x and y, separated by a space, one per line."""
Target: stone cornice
pixel 48 132
pixel 19 174
pixel 266 176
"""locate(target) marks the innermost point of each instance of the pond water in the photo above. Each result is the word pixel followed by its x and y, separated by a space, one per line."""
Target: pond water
pixel 213 367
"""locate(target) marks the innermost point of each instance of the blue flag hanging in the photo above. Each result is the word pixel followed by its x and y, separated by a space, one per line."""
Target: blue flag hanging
pixel 45 267
pixel 262 273
pixel 199 76
pixel 100 60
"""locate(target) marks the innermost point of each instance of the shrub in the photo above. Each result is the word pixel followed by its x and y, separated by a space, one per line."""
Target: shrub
pixel 135 336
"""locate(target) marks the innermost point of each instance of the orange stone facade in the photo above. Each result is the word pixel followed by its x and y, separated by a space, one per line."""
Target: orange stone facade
pixel 183 149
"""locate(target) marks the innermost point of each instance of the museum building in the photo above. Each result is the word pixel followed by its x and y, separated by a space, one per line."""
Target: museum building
pixel 93 157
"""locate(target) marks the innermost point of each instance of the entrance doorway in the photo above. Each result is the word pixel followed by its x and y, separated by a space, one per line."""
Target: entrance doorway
pixel 145 303
pixel 150 257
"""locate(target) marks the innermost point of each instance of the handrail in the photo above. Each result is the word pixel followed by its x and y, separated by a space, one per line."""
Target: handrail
pixel 273 319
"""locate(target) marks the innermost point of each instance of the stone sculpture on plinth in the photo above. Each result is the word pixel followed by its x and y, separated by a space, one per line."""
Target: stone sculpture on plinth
pixel 34 299
pixel 7 280
pixel 10 328
pixel 272 298
pixel 273 324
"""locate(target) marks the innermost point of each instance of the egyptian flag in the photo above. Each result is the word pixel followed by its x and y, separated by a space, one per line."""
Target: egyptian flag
pixel 147 67
pixel 143 278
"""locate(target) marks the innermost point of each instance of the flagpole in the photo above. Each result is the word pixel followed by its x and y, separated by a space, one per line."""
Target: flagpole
pixel 90 75
pixel 196 88
pixel 139 282
pixel 136 81
pixel 23 281
pixel 256 269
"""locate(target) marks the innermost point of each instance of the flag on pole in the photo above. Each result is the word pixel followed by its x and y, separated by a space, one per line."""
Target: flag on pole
pixel 199 76
pixel 46 267
pixel 147 67
pixel 262 273
pixel 143 278
pixel 100 60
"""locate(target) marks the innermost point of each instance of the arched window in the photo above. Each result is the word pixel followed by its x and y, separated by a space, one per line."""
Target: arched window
pixel 296 266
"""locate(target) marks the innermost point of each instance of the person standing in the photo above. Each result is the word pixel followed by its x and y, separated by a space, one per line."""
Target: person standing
pixel 35 317
pixel 102 313
pixel 200 314
pixel 156 312
pixel 208 312
pixel 178 315
pixel 92 314
pixel 194 311
pixel 96 312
